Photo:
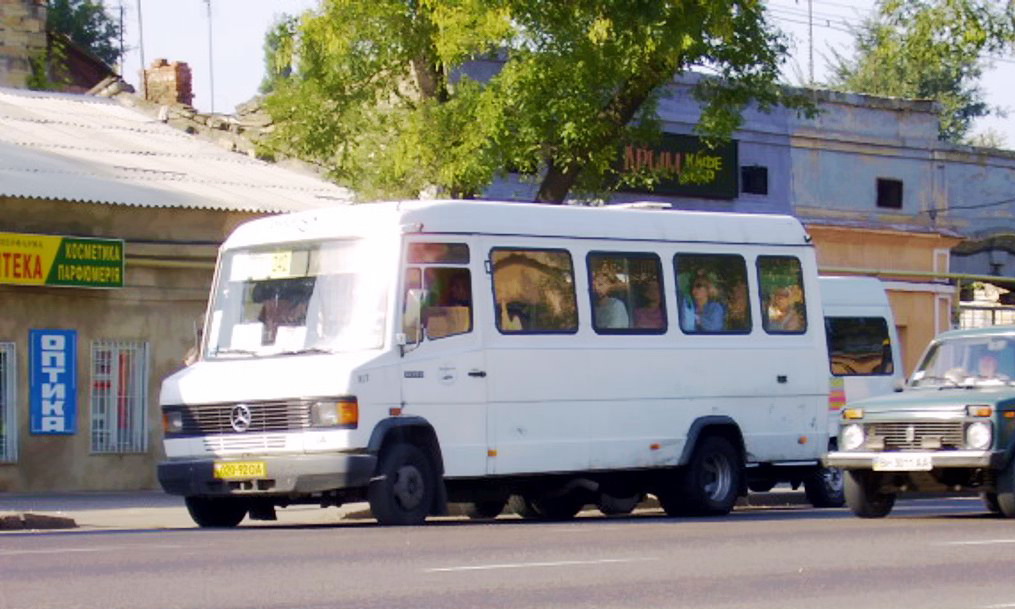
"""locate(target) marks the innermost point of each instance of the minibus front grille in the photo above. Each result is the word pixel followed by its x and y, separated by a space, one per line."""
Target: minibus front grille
pixel 264 417
pixel 911 436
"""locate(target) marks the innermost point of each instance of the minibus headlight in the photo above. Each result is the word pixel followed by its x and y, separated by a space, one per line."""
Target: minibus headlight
pixel 978 435
pixel 851 436
pixel 172 421
pixel 335 413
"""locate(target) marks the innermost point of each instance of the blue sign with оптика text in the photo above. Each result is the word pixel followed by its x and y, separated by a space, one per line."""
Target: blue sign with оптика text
pixel 53 386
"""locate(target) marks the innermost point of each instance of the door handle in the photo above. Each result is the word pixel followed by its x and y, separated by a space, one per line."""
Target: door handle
pixel 782 378
pixel 477 373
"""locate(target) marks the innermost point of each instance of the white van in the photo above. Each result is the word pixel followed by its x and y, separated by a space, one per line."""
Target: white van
pixel 414 354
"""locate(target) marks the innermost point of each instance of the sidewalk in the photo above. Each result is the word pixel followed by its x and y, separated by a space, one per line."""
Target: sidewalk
pixel 129 510
pixel 135 510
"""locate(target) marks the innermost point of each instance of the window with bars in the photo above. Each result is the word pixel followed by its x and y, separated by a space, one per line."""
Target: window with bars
pixel 8 420
pixel 119 388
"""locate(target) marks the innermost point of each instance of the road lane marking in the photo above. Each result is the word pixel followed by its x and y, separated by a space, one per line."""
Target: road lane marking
pixel 981 542
pixel 1000 606
pixel 90 549
pixel 528 565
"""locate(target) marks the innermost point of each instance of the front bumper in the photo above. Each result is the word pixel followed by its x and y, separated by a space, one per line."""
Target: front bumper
pixel 939 459
pixel 286 475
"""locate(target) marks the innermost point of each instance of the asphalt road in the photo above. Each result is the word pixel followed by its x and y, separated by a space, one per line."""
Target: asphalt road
pixel 940 553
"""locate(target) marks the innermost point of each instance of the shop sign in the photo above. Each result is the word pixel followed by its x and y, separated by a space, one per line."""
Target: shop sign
pixel 52 388
pixel 684 165
pixel 52 260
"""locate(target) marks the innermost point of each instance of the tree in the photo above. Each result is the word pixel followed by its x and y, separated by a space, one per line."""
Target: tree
pixel 87 24
pixel 929 49
pixel 399 96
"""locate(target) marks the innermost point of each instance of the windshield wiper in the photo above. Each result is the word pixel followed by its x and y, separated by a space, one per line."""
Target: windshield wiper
pixel 949 379
pixel 305 351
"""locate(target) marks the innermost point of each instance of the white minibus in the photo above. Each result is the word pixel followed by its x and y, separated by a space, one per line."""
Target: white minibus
pixel 416 354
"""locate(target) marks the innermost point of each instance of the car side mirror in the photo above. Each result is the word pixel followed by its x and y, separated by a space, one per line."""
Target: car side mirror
pixel 412 325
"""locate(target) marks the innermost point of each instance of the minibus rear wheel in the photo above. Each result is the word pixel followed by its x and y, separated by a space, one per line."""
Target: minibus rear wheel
pixel 216 511
pixel 403 490
pixel 709 484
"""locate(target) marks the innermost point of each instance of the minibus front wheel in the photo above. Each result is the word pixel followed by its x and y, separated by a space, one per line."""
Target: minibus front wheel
pixel 404 488
pixel 709 484
pixel 216 511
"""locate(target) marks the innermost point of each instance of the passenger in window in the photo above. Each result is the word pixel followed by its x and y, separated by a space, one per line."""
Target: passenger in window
pixel 783 310
pixel 610 311
pixel 703 311
pixel 459 292
pixel 283 304
pixel 738 317
pixel 650 314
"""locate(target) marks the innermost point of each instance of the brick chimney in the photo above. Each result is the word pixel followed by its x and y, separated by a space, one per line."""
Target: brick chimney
pixel 22 39
pixel 168 82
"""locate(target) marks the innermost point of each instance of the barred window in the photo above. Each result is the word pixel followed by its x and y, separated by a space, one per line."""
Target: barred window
pixel 119 388
pixel 8 420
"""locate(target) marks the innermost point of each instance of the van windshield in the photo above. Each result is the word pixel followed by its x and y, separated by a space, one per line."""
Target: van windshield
pixel 290 299
pixel 966 362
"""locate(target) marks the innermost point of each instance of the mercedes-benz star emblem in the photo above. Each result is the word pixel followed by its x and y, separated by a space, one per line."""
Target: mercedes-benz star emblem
pixel 240 417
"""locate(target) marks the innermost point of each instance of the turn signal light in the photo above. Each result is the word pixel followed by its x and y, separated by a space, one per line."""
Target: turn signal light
pixel 978 410
pixel 852 413
pixel 338 413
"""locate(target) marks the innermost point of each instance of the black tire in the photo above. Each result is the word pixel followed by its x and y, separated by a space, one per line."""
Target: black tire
pixel 402 492
pixel 709 484
pixel 225 512
pixel 617 506
pixel 485 510
pixel 863 496
pixel 547 507
pixel 825 488
pixel 1006 491
pixel 991 503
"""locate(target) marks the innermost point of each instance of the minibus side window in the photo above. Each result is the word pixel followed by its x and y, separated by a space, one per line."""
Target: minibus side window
pixel 712 293
pixel 446 287
pixel 859 346
pixel 626 294
pixel 534 291
pixel 783 302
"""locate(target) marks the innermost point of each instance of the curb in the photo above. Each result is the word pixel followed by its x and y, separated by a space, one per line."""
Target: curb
pixel 30 522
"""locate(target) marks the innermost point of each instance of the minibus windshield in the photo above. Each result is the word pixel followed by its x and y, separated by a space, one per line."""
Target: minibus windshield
pixel 965 362
pixel 293 299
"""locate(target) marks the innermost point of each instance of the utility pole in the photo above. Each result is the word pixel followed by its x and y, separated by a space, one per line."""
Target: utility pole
pixel 144 66
pixel 810 39
pixel 211 59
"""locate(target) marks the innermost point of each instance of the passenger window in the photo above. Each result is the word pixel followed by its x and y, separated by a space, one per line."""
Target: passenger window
pixel 712 293
pixel 446 290
pixel 626 293
pixel 783 304
pixel 859 346
pixel 448 310
pixel 534 291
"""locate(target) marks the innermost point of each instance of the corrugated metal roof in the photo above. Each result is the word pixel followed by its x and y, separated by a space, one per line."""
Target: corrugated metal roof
pixel 92 149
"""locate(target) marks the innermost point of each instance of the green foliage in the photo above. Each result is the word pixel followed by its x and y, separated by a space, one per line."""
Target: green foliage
pixel 398 97
pixel 929 49
pixel 88 25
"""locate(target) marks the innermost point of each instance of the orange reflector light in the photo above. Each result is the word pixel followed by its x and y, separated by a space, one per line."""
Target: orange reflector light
pixel 1010 414
pixel 852 413
pixel 491 452
pixel 802 440
pixel 348 412
pixel 395 412
pixel 654 446
pixel 979 410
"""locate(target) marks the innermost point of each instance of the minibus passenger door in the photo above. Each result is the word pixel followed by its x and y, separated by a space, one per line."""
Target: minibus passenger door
pixel 443 375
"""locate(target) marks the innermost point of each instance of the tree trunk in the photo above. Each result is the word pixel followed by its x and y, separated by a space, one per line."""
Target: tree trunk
pixel 560 178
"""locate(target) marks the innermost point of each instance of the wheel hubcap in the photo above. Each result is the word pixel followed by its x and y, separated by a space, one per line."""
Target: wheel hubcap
pixel 718 477
pixel 408 487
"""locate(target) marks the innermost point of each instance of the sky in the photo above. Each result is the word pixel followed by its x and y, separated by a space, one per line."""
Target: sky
pixel 178 30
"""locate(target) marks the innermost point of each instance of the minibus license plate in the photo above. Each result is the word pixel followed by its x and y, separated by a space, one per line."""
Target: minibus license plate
pixel 240 469
pixel 902 463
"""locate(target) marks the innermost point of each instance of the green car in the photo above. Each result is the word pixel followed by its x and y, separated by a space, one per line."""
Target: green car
pixel 951 428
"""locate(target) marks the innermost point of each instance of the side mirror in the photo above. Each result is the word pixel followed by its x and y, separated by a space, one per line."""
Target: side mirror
pixel 412 325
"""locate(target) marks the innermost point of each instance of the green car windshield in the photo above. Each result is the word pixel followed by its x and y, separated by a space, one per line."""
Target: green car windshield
pixel 967 361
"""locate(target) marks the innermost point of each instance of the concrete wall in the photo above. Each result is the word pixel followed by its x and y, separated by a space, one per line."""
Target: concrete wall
pixel 159 304
pixel 22 38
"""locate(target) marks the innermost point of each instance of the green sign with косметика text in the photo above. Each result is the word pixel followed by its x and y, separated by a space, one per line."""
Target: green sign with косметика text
pixel 50 260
